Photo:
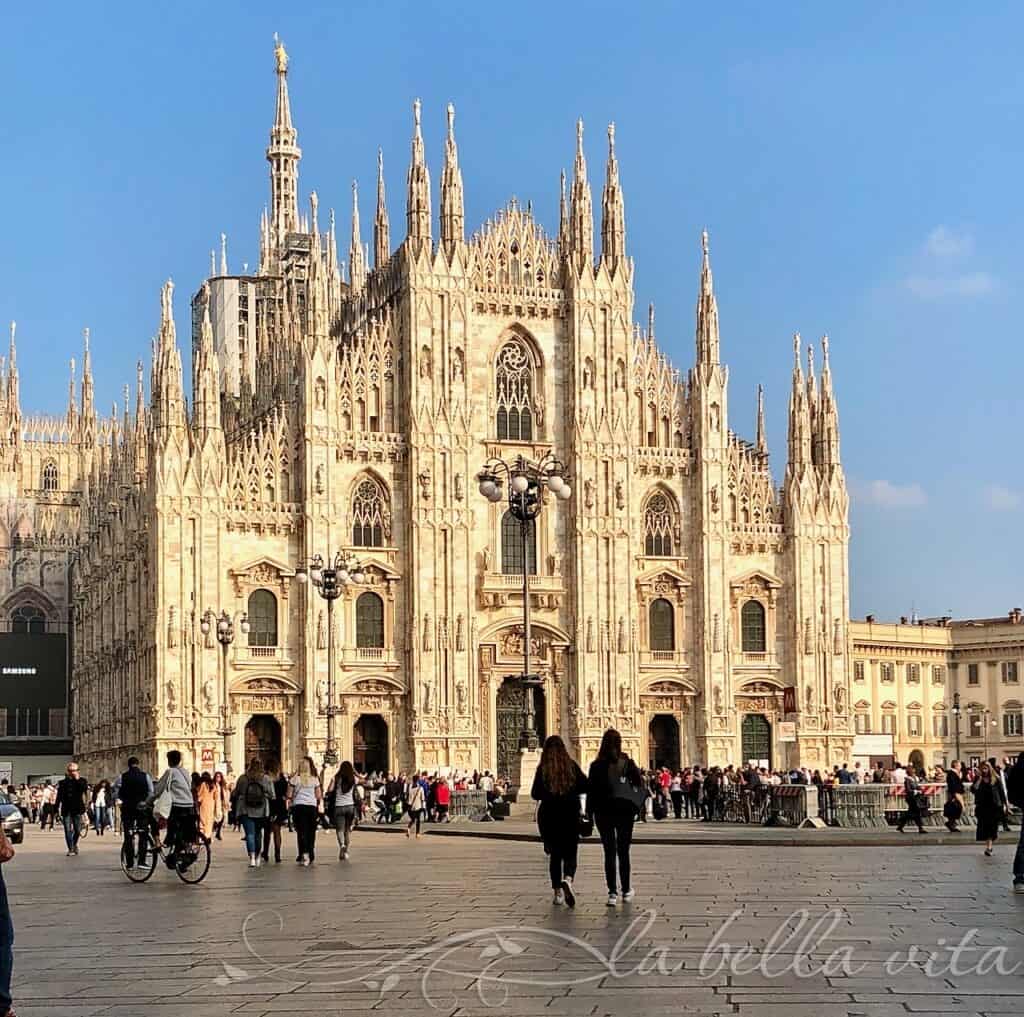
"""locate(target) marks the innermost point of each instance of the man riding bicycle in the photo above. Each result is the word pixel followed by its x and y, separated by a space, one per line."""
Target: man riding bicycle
pixel 135 790
pixel 181 823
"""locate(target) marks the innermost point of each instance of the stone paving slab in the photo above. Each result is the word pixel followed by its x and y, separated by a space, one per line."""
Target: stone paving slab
pixel 410 928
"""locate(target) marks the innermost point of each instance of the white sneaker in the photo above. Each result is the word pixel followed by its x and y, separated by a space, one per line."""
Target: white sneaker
pixel 629 895
pixel 613 899
pixel 307 863
pixel 259 860
pixel 568 892
pixel 559 898
pixel 252 861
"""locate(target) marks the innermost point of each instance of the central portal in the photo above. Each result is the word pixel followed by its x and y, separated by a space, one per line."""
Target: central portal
pixel 262 739
pixel 510 709
pixel 370 744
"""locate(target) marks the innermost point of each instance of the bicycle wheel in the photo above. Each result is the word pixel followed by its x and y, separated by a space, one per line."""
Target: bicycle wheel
pixel 145 859
pixel 193 862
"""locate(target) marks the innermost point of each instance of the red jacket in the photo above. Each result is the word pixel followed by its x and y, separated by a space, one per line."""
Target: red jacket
pixel 442 793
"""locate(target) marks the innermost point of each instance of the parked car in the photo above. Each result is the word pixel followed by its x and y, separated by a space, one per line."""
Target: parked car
pixel 13 820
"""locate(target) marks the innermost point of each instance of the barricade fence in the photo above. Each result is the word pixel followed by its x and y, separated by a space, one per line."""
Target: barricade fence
pixel 468 805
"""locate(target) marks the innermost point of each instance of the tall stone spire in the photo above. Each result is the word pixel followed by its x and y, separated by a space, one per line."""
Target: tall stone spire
pixel 223 254
pixel 563 219
pixel 799 416
pixel 812 401
pixel 707 310
pixel 283 154
pixel 381 227
pixel 13 390
pixel 827 423
pixel 453 218
pixel 88 401
pixel 762 439
pixel 141 443
pixel 356 256
pixel 332 247
pixel 205 376
pixel 581 219
pixel 168 395
pixel 613 213
pixel 72 413
pixel 417 205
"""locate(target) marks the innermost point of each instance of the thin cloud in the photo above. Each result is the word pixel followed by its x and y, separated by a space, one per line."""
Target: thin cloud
pixel 935 287
pixel 944 242
pixel 884 494
pixel 1002 499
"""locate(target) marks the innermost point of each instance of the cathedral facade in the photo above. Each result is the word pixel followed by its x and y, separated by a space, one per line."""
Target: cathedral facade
pixel 679 594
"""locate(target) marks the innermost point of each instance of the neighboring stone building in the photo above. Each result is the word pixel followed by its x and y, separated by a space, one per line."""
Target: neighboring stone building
pixel 908 679
pixel 678 595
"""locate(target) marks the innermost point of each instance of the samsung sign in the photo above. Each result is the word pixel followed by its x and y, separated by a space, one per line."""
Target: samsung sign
pixel 20 670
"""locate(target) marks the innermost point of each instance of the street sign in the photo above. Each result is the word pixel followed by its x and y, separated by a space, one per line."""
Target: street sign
pixel 785 731
pixel 207 757
pixel 789 700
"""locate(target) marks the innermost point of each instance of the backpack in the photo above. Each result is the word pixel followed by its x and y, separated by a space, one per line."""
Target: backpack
pixel 254 795
pixel 1015 783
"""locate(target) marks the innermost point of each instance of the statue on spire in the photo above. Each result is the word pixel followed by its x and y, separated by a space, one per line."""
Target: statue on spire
pixel 280 55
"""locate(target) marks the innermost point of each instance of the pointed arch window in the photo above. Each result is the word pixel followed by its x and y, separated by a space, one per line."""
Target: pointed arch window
pixel 28 619
pixel 369 621
pixel 753 627
pixel 514 390
pixel 262 618
pixel 371 515
pixel 512 546
pixel 659 526
pixel 662 619
pixel 50 476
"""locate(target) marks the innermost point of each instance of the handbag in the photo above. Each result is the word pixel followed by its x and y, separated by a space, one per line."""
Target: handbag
pixel 586 825
pixel 921 802
pixel 952 810
pixel 623 790
pixel 6 848
pixel 165 800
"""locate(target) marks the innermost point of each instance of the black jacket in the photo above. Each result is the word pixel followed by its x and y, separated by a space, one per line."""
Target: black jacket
pixel 559 814
pixel 599 788
pixel 134 788
pixel 71 796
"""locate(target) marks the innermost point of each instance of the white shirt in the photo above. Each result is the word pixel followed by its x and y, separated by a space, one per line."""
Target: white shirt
pixel 304 794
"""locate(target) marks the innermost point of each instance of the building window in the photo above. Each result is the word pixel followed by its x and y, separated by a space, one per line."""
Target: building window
pixel 887 673
pixel 512 546
pixel 1013 725
pixel 369 621
pixel 975 725
pixel 862 723
pixel 662 618
pixel 858 670
pixel 514 385
pixel 940 725
pixel 938 675
pixel 28 619
pixel 914 674
pixel 262 618
pixel 752 627
pixel 889 723
pixel 972 674
pixel 50 476
pixel 1008 669
pixel 371 515
pixel 659 525
pixel 914 725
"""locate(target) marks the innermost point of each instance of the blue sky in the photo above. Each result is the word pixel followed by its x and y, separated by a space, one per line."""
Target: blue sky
pixel 859 170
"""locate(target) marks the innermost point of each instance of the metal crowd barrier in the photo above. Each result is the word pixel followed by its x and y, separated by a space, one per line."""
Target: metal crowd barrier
pixel 468 805
pixel 791 804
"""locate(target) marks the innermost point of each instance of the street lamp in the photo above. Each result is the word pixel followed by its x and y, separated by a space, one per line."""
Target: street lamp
pixel 956 722
pixel 522 482
pixel 329 581
pixel 225 629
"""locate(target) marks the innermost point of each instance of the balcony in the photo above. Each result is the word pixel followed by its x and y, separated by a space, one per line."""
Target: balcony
pixel 663 658
pixel 758 660
pixel 262 656
pixel 498 589
pixel 378 656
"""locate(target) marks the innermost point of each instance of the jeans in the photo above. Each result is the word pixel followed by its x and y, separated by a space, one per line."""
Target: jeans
pixel 414 819
pixel 72 830
pixel 6 949
pixel 344 817
pixel 562 855
pixel 102 818
pixel 677 804
pixel 252 827
pixel 1018 858
pixel 304 820
pixel 616 829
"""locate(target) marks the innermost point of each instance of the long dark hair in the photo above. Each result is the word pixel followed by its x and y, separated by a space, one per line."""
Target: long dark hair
pixel 556 766
pixel 346 779
pixel 611 746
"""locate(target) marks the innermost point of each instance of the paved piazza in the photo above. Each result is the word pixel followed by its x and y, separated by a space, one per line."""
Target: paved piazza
pixel 408 927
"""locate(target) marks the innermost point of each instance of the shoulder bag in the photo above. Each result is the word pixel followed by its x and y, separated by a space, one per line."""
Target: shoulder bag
pixel 623 790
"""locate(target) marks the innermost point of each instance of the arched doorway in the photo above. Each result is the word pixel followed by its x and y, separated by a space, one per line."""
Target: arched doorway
pixel 663 742
pixel 916 760
pixel 370 744
pixel 262 738
pixel 756 738
pixel 510 709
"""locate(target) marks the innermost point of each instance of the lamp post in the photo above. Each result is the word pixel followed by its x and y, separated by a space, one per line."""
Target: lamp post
pixel 956 722
pixel 329 581
pixel 522 482
pixel 225 628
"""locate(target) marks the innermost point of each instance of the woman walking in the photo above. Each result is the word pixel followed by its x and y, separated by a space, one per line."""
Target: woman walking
pixel 344 807
pixel 304 797
pixel 101 801
pixel 206 797
pixel 914 801
pixel 614 797
pixel 278 812
pixel 557 785
pixel 415 803
pixel 253 793
pixel 220 803
pixel 989 806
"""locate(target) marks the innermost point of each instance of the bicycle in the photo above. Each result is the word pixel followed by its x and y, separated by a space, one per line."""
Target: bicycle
pixel 191 864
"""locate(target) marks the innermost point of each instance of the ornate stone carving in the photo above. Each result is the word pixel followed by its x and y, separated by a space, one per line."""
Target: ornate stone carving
pixel 837 637
pixel 172 627
pixel 623 645
pixel 620 495
pixel 461 698
pixel 209 696
pixel 426 483
pixel 172 696
pixel 808 637
pixel 839 697
pixel 716 634
pixel 321 631
pixel 428 696
pixel 588 494
pixel 458 489
pixel 460 634
pixel 591 698
pixel 590 635
pixel 321 695
pixel 428 635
